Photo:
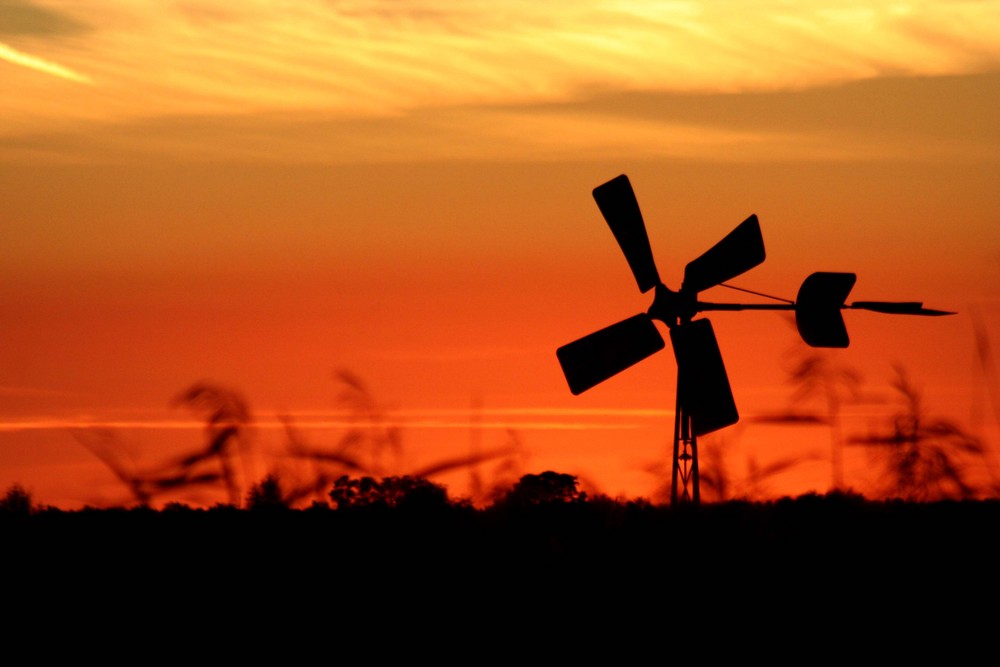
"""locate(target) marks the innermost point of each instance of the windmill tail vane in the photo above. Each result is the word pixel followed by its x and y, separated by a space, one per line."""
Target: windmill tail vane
pixel 705 400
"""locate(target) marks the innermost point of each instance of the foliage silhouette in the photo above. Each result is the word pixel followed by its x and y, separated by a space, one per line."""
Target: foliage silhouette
pixel 821 386
pixel 227 420
pixel 546 488
pixel 145 486
pixel 924 455
pixel 555 558
pixel 987 365
pixel 325 466
pixel 266 495
pixel 719 485
pixel 817 375
pixel 373 432
pixel 718 482
pixel 227 423
pixel 371 446
pixel 17 500
pixel 988 371
pixel 402 493
pixel 363 450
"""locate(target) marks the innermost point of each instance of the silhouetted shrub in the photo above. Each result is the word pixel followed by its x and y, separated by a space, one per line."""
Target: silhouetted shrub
pixel 405 493
pixel 544 489
pixel 266 495
pixel 16 501
pixel 177 506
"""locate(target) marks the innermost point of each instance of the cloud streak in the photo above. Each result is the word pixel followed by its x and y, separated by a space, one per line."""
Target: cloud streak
pixel 37 64
pixel 912 118
pixel 498 419
pixel 374 58
pixel 370 81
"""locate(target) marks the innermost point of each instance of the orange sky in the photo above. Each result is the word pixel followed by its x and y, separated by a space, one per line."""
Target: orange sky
pixel 259 195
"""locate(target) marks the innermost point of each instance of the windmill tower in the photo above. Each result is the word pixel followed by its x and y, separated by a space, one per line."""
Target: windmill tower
pixel 704 398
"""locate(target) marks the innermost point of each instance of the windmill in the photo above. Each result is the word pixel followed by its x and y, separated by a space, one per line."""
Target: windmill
pixel 704 398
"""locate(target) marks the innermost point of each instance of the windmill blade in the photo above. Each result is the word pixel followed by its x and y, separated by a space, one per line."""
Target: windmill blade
pixel 740 251
pixel 621 211
pixel 898 308
pixel 594 358
pixel 703 383
pixel 817 309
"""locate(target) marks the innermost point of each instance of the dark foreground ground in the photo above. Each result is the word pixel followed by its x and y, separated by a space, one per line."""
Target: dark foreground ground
pixel 815 580
pixel 817 547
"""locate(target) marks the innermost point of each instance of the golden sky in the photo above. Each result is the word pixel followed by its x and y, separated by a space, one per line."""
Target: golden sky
pixel 261 192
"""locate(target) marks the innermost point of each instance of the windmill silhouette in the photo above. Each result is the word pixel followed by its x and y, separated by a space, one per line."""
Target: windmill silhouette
pixel 704 397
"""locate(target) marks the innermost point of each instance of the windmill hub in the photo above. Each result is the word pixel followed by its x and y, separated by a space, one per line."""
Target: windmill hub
pixel 672 308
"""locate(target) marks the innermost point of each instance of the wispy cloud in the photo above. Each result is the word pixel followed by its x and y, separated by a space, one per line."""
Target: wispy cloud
pixel 887 118
pixel 378 57
pixel 432 79
pixel 16 57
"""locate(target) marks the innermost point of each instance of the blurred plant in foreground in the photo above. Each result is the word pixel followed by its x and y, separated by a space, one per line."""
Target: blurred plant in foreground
pixel 819 376
pixel 821 386
pixel 925 457
pixel 372 446
pixel 717 481
pixel 227 424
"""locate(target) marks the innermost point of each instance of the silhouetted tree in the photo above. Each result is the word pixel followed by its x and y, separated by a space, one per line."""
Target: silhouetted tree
pixel 266 495
pixel 361 450
pixel 17 500
pixel 175 506
pixel 543 489
pixel 411 493
pixel 415 493
pixel 504 475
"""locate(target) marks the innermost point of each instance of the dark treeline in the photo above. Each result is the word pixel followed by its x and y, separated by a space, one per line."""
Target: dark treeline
pixel 544 533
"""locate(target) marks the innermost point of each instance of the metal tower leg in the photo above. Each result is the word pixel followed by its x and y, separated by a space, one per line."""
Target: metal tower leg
pixel 685 456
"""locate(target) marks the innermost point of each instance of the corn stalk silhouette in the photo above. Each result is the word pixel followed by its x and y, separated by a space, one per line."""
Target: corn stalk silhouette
pixel 925 456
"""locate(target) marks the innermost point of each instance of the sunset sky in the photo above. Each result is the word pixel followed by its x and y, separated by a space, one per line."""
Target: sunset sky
pixel 260 194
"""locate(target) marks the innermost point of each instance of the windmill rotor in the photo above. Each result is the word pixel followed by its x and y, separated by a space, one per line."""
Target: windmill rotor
pixel 704 397
pixel 598 356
